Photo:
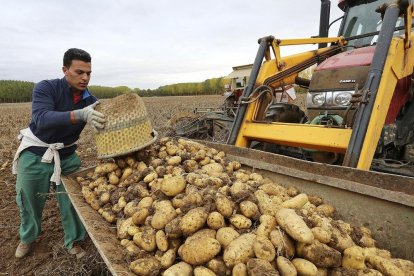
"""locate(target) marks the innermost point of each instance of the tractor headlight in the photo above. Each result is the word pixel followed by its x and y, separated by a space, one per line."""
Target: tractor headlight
pixel 318 99
pixel 342 98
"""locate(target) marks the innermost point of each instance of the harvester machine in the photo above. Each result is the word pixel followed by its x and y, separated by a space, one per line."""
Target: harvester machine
pixel 360 108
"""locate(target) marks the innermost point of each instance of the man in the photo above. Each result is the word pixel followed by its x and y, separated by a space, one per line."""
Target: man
pixel 60 110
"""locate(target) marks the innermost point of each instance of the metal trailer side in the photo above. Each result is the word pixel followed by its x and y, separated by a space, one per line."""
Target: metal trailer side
pixel 382 202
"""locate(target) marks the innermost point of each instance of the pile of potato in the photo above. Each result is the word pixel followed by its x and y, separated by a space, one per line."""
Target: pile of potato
pixel 182 209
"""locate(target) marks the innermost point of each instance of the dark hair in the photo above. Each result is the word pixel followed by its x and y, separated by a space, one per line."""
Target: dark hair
pixel 74 53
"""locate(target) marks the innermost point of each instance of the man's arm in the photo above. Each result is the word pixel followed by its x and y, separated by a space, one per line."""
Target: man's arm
pixel 44 114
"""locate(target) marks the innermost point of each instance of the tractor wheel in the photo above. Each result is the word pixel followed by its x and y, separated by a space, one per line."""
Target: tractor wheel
pixel 284 113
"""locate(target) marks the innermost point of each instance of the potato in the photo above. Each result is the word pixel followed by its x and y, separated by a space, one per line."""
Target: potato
pixel 161 240
pixel 238 187
pixel 267 224
pixel 149 266
pixel 406 265
pixel 173 186
pixel 200 155
pixel 294 226
pixel 369 272
pixel 354 257
pixel 168 258
pixel 141 166
pixel 321 255
pixel 367 242
pixel 131 208
pixel 296 202
pixel 203 271
pixel 248 209
pixel 239 250
pixel 242 176
pixel 267 205
pixel 106 168
pixel 164 213
pixel 190 165
pixel 109 216
pixel 150 177
pixel 340 240
pixel 304 267
pixel 127 172
pixel 182 268
pixel 217 266
pixel 199 251
pixel 193 220
pixel 285 267
pixel 203 233
pixel 384 266
pixel 146 202
pixel 146 239
pixel 258 267
pixel 264 249
pixel 173 230
pixel 194 198
pixel 105 197
pixel 234 165
pixel 122 227
pixel 240 221
pixel 113 178
pixel 283 243
pixel 174 161
pixel 326 210
pixel 133 250
pixel 323 271
pixel 213 169
pixel 256 177
pixel 226 235
pixel 272 189
pixel 122 202
pixel 315 200
pixel 130 160
pixel 224 205
pixel 205 161
pixel 139 217
pixel 377 252
pixel 321 234
pixel 132 230
pixel 215 220
pixel 292 191
pixel 239 269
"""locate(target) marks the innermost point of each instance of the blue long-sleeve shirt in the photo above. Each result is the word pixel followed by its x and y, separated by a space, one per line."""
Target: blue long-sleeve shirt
pixel 51 106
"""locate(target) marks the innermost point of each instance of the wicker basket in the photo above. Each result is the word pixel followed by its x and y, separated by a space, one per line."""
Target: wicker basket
pixel 127 128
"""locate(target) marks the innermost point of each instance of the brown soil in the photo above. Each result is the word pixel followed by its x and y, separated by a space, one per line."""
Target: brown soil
pixel 48 256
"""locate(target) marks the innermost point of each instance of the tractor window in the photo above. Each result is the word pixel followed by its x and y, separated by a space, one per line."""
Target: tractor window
pixel 361 18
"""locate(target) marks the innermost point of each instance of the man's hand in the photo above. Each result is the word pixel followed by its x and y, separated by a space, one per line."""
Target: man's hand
pixel 90 116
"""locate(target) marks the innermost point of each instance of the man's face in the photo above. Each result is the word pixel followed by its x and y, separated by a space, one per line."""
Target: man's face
pixel 78 74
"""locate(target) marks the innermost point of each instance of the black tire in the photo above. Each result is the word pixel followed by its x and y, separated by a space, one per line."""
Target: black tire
pixel 285 113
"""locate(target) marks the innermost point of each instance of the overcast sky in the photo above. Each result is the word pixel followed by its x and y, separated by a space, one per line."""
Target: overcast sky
pixel 147 44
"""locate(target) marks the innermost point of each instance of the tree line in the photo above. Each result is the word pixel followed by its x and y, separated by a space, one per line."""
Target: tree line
pixel 12 91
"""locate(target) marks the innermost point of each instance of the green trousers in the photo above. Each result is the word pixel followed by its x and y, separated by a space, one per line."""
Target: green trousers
pixel 33 183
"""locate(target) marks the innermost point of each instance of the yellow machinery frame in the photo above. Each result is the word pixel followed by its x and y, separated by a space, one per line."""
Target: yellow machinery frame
pixel 399 64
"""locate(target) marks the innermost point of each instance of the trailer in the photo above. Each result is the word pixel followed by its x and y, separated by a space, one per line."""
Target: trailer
pixel 382 202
